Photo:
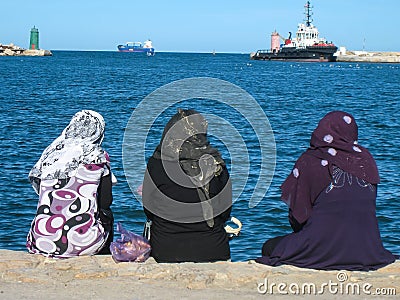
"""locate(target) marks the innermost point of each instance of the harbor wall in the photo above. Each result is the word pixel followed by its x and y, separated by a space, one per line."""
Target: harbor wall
pixel 13 50
pixel 371 57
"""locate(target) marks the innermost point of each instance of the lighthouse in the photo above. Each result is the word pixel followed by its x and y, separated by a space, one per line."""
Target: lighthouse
pixel 34 40
pixel 275 42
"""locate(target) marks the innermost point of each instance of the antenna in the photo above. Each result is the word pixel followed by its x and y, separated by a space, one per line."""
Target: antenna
pixel 308 13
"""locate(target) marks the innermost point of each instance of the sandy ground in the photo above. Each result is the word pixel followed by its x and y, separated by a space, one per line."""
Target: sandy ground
pixel 25 276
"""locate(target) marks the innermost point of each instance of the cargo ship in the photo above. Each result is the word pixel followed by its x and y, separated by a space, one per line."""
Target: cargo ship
pixel 305 46
pixel 146 47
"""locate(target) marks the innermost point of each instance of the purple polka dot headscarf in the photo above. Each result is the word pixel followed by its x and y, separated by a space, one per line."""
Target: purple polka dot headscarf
pixel 333 143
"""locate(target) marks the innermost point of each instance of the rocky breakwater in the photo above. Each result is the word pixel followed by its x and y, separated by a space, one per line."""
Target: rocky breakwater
pixel 13 50
pixel 27 276
pixel 371 57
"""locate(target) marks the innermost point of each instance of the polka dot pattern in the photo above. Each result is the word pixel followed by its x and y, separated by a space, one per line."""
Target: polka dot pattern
pixel 328 138
pixel 347 119
pixel 333 143
pixel 332 151
pixel 355 148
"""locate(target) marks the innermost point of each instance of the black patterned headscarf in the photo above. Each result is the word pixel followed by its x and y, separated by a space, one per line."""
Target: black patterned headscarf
pixel 79 143
pixel 333 143
pixel 184 141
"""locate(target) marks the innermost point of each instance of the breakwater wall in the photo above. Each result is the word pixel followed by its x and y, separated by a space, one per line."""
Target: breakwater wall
pixel 371 57
pixel 13 50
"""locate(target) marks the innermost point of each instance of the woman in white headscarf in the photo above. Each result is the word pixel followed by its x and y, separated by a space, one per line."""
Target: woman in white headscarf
pixel 74 182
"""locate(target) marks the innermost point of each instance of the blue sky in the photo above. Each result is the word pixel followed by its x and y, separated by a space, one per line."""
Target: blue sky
pixel 197 26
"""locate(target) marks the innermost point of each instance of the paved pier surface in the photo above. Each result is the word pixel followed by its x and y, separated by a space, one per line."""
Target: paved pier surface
pixel 27 276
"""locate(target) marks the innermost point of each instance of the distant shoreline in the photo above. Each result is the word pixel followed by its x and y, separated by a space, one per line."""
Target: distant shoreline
pixel 127 53
pixel 349 57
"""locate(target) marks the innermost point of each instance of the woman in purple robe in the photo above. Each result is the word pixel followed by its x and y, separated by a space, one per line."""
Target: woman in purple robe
pixel 331 195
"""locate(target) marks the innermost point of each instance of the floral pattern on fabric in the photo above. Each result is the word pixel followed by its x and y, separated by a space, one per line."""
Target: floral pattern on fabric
pixel 340 177
pixel 78 143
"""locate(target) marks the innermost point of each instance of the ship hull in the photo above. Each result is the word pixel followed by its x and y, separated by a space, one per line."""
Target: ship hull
pixel 123 48
pixel 311 54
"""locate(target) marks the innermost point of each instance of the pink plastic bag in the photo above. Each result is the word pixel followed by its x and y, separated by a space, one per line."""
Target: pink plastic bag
pixel 139 190
pixel 130 247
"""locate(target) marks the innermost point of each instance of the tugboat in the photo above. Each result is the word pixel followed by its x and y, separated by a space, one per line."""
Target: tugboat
pixel 306 46
pixel 146 47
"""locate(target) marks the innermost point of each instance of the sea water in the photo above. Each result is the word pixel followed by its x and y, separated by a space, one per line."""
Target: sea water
pixel 39 95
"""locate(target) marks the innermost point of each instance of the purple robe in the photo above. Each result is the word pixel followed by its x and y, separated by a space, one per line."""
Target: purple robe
pixel 341 233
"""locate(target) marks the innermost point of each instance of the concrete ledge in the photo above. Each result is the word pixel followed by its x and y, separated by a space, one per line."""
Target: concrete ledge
pixel 37 53
pixel 30 276
pixel 372 57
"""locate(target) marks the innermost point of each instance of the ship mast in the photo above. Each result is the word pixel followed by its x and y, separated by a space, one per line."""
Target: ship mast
pixel 308 13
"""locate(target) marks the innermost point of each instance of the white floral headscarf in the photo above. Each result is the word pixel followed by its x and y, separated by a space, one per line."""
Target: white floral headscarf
pixel 79 143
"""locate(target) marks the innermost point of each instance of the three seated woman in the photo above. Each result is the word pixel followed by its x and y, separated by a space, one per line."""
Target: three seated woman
pixel 187 195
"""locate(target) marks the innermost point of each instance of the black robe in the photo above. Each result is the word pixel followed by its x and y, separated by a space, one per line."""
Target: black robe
pixel 185 241
pixel 104 200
